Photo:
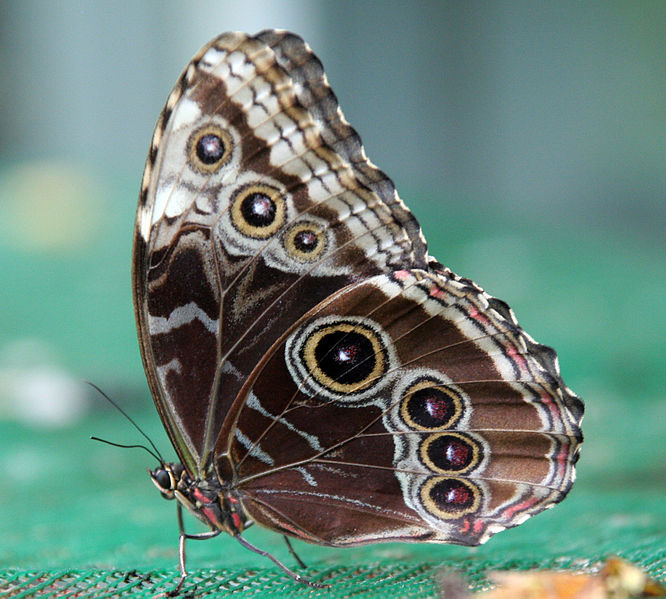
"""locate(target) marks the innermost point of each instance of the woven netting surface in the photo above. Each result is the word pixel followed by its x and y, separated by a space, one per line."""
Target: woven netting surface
pixel 81 520
pixel 423 580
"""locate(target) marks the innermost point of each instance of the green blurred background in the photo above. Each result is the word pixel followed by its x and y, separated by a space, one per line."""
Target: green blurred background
pixel 528 138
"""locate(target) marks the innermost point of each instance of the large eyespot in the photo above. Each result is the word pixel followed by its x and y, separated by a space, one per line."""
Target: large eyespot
pixel 450 498
pixel 305 241
pixel 209 148
pixel 429 405
pixel 340 358
pixel 450 453
pixel 344 357
pixel 258 210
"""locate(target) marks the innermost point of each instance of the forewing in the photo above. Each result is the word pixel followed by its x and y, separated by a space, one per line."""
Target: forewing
pixel 257 202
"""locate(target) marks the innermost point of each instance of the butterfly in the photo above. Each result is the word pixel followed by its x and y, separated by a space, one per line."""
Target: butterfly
pixel 317 371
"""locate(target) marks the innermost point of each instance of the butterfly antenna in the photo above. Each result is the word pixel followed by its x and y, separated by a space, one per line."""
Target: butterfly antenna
pixel 158 458
pixel 157 453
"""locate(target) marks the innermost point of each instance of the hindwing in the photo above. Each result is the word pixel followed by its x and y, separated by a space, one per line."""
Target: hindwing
pixel 411 407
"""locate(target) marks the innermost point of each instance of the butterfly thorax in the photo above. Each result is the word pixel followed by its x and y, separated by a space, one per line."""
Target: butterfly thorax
pixel 217 507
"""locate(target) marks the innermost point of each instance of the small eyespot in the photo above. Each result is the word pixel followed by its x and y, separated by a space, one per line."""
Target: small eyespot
pixel 209 148
pixel 450 498
pixel 258 210
pixel 344 357
pixel 450 453
pixel 429 405
pixel 305 241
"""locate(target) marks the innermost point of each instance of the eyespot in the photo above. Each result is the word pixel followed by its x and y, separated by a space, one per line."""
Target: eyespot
pixel 345 357
pixel 209 148
pixel 429 405
pixel 450 453
pixel 305 241
pixel 450 498
pixel 258 210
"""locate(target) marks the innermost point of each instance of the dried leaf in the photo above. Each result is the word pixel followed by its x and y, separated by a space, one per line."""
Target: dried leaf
pixel 618 579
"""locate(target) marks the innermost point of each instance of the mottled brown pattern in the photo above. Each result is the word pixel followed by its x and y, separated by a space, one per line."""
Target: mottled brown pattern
pixel 219 303
pixel 348 507
pixel 516 456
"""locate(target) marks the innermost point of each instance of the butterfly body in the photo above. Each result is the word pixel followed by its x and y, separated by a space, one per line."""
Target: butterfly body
pixel 316 370
pixel 207 500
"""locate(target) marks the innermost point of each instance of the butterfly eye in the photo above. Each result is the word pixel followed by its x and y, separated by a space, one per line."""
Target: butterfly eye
pixel 345 357
pixel 450 453
pixel 428 405
pixel 258 210
pixel 305 241
pixel 209 149
pixel 162 478
pixel 450 498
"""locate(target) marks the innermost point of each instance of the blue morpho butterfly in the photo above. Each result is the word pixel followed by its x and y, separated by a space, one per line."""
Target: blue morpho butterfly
pixel 318 373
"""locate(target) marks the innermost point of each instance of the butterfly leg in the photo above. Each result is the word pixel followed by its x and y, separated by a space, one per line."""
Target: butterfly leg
pixel 279 564
pixel 291 550
pixel 181 549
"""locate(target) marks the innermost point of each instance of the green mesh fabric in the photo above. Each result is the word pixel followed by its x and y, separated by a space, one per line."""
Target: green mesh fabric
pixel 372 580
pixel 81 519
pixel 387 581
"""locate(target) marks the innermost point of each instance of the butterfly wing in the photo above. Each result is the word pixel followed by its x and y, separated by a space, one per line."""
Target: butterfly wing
pixel 411 406
pixel 257 202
